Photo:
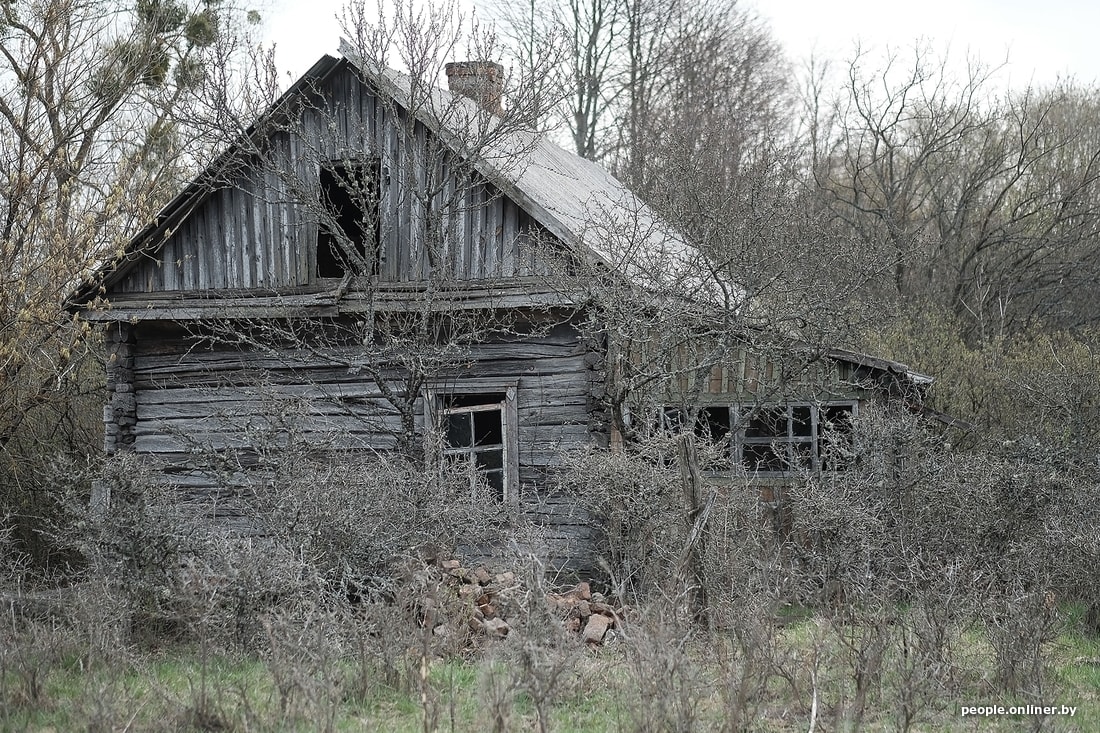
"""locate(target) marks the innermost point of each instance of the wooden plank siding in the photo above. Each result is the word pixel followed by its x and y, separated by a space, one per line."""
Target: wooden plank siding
pixel 193 402
pixel 258 227
pixel 747 374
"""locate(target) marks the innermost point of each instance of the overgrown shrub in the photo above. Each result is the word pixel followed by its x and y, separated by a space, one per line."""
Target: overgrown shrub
pixel 630 494
pixel 353 516
pixel 316 525
pixel 908 559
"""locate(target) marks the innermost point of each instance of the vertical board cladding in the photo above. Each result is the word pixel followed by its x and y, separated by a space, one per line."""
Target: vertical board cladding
pixel 206 412
pixel 256 224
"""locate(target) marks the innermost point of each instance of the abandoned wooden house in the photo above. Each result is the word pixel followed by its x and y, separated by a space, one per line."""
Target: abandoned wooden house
pixel 374 259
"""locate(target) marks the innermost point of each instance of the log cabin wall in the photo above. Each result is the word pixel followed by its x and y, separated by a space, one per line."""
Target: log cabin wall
pixel 205 410
pixel 257 226
pixel 120 412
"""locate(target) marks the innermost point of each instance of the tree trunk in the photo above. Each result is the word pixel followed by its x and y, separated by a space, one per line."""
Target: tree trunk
pixel 692 571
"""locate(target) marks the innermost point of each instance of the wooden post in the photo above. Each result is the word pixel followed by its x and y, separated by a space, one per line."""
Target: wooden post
pixel 601 423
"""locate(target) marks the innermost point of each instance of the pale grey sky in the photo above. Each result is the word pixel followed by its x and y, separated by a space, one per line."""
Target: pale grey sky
pixel 1043 40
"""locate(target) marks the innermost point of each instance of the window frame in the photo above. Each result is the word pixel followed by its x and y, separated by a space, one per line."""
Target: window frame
pixel 738 417
pixel 434 403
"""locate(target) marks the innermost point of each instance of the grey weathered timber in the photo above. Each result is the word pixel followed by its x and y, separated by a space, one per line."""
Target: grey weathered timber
pixel 236 330
pixel 190 391
pixel 194 397
pixel 120 412
pixel 240 233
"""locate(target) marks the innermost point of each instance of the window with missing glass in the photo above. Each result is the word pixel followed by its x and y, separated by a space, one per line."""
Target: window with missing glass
pixel 348 233
pixel 775 439
pixel 478 431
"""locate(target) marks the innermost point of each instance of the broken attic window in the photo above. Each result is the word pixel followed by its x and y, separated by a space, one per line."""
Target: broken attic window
pixel 348 233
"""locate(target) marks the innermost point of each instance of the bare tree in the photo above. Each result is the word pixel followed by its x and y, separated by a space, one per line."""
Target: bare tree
pixel 983 199
pixel 708 85
pixel 99 119
pixel 650 79
pixel 589 33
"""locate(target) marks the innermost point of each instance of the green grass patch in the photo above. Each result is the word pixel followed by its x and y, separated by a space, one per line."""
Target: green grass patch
pixel 636 682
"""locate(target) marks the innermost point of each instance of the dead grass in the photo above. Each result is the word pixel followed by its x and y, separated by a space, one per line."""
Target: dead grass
pixel 653 677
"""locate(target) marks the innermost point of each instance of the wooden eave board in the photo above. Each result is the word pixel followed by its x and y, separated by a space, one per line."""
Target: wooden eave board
pixel 326 304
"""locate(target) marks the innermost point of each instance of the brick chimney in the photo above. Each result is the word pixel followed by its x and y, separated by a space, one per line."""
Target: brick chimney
pixel 481 81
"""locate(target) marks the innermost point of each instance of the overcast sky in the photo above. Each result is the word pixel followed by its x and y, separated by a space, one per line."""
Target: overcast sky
pixel 1044 39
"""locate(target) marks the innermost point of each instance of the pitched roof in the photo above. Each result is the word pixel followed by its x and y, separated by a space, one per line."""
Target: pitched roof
pixel 576 200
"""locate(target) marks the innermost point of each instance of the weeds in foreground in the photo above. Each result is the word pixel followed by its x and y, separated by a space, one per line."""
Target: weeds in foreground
pixel 657 675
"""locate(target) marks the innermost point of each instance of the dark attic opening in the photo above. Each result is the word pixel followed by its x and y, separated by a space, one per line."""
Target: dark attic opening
pixel 349 231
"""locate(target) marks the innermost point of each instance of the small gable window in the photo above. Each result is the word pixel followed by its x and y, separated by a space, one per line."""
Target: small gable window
pixel 348 231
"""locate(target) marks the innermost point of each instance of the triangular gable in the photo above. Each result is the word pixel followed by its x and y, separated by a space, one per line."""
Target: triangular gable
pixel 577 200
pixel 237 226
pixel 243 225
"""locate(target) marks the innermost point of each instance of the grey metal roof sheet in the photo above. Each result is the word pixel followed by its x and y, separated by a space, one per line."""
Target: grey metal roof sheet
pixel 577 200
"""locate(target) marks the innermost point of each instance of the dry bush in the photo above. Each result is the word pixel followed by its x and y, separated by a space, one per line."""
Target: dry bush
pixel 634 496
pixel 328 526
pixel 667 672
pixel 916 544
pixel 56 421
pixel 901 558
pixel 28 655
pixel 137 539
pixel 14 563
pixel 747 582
pixel 357 515
pixel 750 659
pixel 105 703
pixel 498 689
pixel 304 656
pixel 50 630
pixel 1020 625
pixel 924 660
pixel 541 657
pixel 340 589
